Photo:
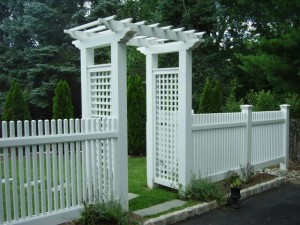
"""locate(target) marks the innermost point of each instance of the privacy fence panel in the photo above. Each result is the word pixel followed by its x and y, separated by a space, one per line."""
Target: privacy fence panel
pixel 45 170
pixel 218 143
pixel 267 138
pixel 228 141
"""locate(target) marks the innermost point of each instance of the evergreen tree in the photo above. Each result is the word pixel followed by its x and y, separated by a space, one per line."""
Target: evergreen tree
pixel 211 98
pixel 15 107
pixel 62 101
pixel 136 108
pixel 204 106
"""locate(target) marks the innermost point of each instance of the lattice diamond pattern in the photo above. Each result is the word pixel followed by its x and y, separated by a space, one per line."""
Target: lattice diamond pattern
pixel 166 103
pixel 100 93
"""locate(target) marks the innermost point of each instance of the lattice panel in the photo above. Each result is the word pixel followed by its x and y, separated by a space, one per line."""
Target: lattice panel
pixel 100 93
pixel 166 103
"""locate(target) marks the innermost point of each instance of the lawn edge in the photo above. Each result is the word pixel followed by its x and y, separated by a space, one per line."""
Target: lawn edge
pixel 180 215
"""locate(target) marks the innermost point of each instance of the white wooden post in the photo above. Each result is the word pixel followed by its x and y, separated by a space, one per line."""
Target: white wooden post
pixel 185 154
pixel 247 109
pixel 87 59
pixel 119 110
pixel 152 63
pixel 286 110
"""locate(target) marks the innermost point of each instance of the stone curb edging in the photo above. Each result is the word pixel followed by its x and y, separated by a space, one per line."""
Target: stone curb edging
pixel 180 215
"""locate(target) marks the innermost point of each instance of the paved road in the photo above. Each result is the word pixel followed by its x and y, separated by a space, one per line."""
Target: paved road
pixel 279 206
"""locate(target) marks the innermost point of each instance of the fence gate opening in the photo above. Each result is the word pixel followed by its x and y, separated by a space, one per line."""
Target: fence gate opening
pixel 169 93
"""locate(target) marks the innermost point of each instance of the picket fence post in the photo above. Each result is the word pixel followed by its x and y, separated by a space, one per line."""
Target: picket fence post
pixel 286 111
pixel 247 109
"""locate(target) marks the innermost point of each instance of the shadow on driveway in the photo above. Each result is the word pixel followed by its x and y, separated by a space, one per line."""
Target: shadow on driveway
pixel 275 207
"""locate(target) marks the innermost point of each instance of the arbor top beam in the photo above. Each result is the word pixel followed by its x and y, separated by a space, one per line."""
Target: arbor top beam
pixel 143 35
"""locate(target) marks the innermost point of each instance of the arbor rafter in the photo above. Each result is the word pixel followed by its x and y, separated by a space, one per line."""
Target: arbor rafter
pixel 144 35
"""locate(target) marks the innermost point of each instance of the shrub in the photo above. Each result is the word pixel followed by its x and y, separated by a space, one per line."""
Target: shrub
pixel 106 213
pixel 62 101
pixel 294 101
pixel 203 189
pixel 262 100
pixel 233 178
pixel 15 107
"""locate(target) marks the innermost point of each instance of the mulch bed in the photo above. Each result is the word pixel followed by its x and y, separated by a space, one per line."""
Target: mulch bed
pixel 256 179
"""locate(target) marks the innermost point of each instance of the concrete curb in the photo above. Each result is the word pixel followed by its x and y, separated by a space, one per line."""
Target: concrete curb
pixel 180 215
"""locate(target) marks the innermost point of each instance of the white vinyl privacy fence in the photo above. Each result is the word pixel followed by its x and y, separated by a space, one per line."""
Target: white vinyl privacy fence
pixel 48 169
pixel 216 143
pixel 227 141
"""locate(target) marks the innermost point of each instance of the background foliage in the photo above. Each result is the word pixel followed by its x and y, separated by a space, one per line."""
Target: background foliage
pixel 245 49
pixel 136 108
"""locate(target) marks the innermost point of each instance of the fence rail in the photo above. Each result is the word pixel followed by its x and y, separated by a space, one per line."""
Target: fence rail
pixel 225 141
pixel 49 168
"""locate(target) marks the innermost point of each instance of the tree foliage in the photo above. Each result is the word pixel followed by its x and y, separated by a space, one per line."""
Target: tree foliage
pixel 211 98
pixel 36 52
pixel 62 101
pixel 274 63
pixel 136 108
pixel 15 107
pixel 262 100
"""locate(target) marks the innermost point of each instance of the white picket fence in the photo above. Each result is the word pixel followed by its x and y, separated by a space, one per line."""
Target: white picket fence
pixel 227 141
pixel 49 169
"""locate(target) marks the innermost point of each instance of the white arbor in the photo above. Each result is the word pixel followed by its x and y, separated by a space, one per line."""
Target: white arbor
pixel 169 92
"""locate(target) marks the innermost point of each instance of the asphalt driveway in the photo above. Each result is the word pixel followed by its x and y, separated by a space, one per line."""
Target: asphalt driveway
pixel 275 207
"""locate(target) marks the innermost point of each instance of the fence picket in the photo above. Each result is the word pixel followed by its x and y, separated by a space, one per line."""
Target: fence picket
pixel 1 197
pixel 48 168
pixel 54 167
pixel 21 171
pixel 61 167
pixel 42 168
pixel 67 169
pixel 84 158
pixel 6 175
pixel 35 171
pixel 93 153
pixel 72 159
pixel 78 163
pixel 109 157
pixel 14 172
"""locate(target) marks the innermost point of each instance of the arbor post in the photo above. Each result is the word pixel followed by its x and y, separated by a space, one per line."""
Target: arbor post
pixel 119 110
pixel 87 59
pixel 152 63
pixel 185 154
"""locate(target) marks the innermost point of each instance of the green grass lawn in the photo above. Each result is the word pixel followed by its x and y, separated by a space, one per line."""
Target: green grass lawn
pixel 137 179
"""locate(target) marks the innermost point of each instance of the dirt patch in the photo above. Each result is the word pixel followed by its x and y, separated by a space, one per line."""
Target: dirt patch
pixel 259 178
pixel 294 165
